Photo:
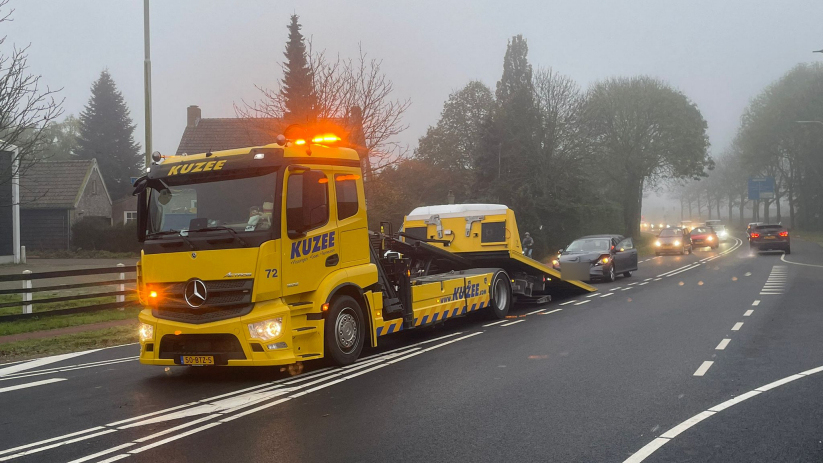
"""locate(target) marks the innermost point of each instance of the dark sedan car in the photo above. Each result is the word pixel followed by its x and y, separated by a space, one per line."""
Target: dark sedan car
pixel 704 236
pixel 603 256
pixel 672 240
pixel 765 237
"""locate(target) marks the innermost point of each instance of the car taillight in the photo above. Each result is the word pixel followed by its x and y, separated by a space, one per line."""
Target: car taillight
pixel 755 235
pixel 784 233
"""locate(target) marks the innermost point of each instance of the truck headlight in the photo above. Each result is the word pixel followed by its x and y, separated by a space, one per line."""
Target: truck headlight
pixel 267 329
pixel 146 332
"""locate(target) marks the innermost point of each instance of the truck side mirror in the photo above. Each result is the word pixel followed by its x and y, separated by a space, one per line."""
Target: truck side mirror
pixel 142 215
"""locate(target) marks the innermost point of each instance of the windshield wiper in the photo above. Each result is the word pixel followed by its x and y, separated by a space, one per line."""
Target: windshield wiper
pixel 173 232
pixel 222 227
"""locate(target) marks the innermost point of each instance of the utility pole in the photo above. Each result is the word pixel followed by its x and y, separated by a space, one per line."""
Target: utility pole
pixel 147 79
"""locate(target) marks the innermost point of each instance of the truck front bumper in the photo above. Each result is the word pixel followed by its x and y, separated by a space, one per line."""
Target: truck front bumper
pixel 227 342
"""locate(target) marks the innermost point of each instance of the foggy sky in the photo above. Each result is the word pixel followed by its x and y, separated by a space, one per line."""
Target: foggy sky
pixel 720 53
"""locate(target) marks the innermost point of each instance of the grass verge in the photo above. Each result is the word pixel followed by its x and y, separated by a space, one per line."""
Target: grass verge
pixel 813 236
pixel 33 348
pixel 51 322
pixel 54 305
pixel 645 245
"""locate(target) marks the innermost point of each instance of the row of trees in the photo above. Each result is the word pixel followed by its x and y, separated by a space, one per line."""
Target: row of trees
pixel 568 161
pixel 780 136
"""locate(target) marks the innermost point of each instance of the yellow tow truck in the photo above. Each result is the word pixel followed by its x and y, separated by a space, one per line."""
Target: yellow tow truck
pixel 262 256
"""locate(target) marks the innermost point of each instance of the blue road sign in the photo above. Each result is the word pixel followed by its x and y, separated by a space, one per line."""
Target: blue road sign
pixel 761 188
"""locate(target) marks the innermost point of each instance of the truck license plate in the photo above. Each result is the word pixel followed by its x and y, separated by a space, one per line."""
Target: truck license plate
pixel 197 360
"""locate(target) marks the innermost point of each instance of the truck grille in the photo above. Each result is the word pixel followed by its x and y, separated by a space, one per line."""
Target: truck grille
pixel 223 347
pixel 226 299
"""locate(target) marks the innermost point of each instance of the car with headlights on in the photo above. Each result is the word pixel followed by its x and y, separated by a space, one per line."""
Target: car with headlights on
pixel 602 256
pixel 672 241
pixel 720 231
pixel 704 236
pixel 765 237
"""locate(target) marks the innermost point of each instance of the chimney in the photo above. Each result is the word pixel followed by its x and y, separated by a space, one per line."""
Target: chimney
pixel 192 116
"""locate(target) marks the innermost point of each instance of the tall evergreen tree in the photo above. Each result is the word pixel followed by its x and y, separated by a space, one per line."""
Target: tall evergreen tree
pixel 298 92
pixel 107 134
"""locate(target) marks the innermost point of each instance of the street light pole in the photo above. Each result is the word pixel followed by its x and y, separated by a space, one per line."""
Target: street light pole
pixel 147 79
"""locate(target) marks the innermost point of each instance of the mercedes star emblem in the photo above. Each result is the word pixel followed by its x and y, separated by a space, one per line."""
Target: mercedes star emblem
pixel 195 293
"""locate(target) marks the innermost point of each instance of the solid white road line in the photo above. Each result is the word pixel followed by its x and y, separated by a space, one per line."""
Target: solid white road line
pixel 104 452
pixel 673 432
pixel 783 258
pixel 582 302
pixel 737 326
pixel 42 361
pixel 762 292
pixel 748 313
pixel 551 311
pixel 723 344
pixel 27 385
pixel 568 302
pixel 607 295
pixel 513 323
pixel 703 368
pixel 756 302
pixel 46 441
pixel 644 452
pixel 58 444
pixel 494 323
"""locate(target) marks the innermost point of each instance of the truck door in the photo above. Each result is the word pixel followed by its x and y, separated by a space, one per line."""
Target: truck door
pixel 310 241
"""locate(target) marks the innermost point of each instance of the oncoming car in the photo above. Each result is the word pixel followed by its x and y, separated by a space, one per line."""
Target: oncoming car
pixel 704 236
pixel 672 240
pixel 770 236
pixel 721 232
pixel 606 256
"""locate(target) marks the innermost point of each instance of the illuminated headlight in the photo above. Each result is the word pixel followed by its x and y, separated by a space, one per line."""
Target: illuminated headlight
pixel 710 238
pixel 555 262
pixel 657 243
pixel 267 329
pixel 602 260
pixel 723 233
pixel 146 332
pixel 677 243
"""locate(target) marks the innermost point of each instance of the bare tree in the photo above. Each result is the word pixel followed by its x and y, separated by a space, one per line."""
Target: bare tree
pixel 354 95
pixel 25 109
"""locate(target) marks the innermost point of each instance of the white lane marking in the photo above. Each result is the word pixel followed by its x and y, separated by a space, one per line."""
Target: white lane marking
pixel 42 361
pixel 46 441
pixel 582 302
pixel 569 302
pixel 644 283
pixel 614 289
pixel 104 452
pixel 762 292
pixel 779 382
pixel 703 368
pixel 783 258
pixel 756 302
pixel 673 432
pixel 684 270
pixel 513 323
pixel 52 371
pixel 644 452
pixel 173 438
pixel 657 279
pixel 626 289
pixel 592 295
pixel 647 279
pixel 748 313
pixel 670 271
pixel 737 326
pixel 494 323
pixel 114 458
pixel 58 444
pixel 27 385
pixel 607 295
pixel 722 406
pixel 551 311
pixel 632 284
pixel 723 344
pixel 536 311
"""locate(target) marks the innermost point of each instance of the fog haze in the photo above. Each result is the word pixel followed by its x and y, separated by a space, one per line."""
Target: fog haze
pixel 212 54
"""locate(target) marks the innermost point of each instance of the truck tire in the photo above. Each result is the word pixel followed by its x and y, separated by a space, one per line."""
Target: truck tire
pixel 500 299
pixel 344 331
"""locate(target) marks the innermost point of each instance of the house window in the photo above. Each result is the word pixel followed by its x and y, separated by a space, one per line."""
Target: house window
pixel 94 187
pixel 129 217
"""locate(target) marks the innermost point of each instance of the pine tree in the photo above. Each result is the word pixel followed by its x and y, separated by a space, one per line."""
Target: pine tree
pixel 107 134
pixel 297 90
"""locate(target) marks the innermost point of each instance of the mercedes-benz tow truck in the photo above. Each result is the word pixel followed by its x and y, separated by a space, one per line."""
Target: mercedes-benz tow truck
pixel 262 256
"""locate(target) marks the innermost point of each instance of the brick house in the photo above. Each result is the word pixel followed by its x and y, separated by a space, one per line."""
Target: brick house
pixel 54 195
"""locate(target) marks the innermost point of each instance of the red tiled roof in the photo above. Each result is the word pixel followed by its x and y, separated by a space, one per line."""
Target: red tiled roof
pixel 53 184
pixel 227 133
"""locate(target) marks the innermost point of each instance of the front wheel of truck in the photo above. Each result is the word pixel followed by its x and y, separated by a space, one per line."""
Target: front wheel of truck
pixel 501 295
pixel 344 331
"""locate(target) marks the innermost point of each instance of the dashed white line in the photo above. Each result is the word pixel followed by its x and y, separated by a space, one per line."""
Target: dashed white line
pixel 568 302
pixel 748 313
pixel 723 344
pixel 607 295
pixel 756 302
pixel 644 283
pixel 592 295
pixel 703 368
pixel 536 311
pixel 647 279
pixel 513 323
pixel 582 302
pixel 551 311
pixel 632 284
pixel 626 289
pixel 494 323
pixel 33 384
pixel 657 279
pixel 737 326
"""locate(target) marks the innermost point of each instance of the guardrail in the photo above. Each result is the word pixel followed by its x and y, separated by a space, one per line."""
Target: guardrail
pixel 27 303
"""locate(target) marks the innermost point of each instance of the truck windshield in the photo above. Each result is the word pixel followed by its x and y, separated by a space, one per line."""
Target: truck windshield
pixel 241 204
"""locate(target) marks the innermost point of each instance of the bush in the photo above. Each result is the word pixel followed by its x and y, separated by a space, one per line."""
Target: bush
pixel 100 236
